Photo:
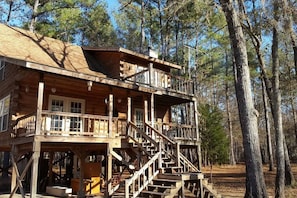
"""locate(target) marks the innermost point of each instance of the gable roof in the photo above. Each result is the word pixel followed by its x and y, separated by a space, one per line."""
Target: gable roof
pixel 24 45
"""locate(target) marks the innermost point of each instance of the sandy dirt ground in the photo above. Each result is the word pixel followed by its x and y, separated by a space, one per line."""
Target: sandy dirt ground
pixel 229 180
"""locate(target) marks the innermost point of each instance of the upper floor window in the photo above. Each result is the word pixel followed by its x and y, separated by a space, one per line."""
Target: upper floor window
pixel 2 69
pixel 4 113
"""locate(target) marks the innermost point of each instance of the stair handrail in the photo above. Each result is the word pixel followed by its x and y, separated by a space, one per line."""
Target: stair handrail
pixel 141 178
pixel 141 133
pixel 139 145
pixel 179 157
pixel 187 164
pixel 167 139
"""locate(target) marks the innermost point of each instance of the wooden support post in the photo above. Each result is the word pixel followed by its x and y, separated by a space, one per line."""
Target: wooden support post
pixel 145 104
pixel 17 180
pixel 178 153
pixel 110 114
pixel 109 168
pixel 152 110
pixel 151 75
pixel 81 191
pixel 129 109
pixel 196 113
pixel 13 170
pixel 50 168
pixel 34 169
pixel 75 168
pixel 182 190
pixel 39 107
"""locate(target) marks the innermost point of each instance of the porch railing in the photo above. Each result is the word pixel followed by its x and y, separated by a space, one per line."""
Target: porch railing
pixel 141 179
pixel 180 132
pixel 64 124
pixel 163 80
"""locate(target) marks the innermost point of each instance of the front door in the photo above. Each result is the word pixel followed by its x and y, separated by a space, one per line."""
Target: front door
pixel 139 118
pixel 66 122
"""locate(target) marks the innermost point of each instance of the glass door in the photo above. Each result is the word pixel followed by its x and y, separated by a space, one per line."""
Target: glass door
pixel 64 122
pixel 139 118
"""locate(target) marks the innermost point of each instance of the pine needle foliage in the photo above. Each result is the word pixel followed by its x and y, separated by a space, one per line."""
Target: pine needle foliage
pixel 214 142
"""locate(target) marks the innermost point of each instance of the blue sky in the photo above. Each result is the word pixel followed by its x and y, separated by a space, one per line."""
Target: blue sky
pixel 112 5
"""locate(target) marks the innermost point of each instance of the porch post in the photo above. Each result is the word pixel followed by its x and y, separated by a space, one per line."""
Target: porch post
pixel 109 168
pixel 39 107
pixel 151 75
pixel 110 114
pixel 34 169
pixel 129 109
pixel 50 167
pixel 13 170
pixel 81 192
pixel 152 110
pixel 145 110
pixel 196 113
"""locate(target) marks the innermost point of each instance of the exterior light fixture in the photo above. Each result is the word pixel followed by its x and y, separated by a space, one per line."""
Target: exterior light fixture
pixel 90 84
pixel 27 89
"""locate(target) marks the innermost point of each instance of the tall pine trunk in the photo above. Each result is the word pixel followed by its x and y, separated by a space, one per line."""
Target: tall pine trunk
pixel 255 184
pixel 229 117
pixel 34 16
pixel 267 125
pixel 277 116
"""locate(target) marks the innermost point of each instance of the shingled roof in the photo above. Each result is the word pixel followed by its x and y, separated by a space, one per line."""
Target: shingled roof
pixel 19 44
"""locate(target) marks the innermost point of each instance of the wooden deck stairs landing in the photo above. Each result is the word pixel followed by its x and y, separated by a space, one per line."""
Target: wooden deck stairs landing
pixel 162 170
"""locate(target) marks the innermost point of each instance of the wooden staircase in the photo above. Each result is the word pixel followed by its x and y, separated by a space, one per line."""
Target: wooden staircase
pixel 163 171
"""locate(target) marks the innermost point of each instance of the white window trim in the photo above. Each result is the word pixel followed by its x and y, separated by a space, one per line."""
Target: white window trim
pixel 2 69
pixel 3 114
pixel 66 101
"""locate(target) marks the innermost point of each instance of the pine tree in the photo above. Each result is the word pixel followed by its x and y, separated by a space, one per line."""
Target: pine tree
pixel 214 142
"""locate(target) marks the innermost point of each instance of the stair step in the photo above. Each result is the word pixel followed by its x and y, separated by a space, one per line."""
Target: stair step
pixel 161 194
pixel 173 169
pixel 159 186
pixel 165 182
pixel 170 176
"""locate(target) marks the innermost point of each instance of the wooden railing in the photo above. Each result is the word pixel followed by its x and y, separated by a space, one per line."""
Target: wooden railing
pixel 167 145
pixel 62 123
pixel 157 143
pixel 141 178
pixel 25 126
pixel 163 80
pixel 180 131
pixel 172 149
pixel 187 165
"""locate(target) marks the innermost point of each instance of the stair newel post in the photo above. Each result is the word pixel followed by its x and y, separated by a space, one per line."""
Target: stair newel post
pixel 39 108
pixel 160 156
pixel 110 114
pixel 109 168
pixel 146 116
pixel 196 113
pixel 126 189
pixel 153 115
pixel 128 114
pixel 178 153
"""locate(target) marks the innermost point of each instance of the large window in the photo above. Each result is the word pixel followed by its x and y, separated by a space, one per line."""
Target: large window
pixel 2 70
pixel 4 113
pixel 65 104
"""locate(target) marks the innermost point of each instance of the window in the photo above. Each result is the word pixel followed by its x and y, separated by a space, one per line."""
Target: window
pixel 66 123
pixel 4 112
pixel 2 69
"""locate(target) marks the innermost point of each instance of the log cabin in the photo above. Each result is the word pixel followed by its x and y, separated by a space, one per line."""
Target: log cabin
pixel 92 121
